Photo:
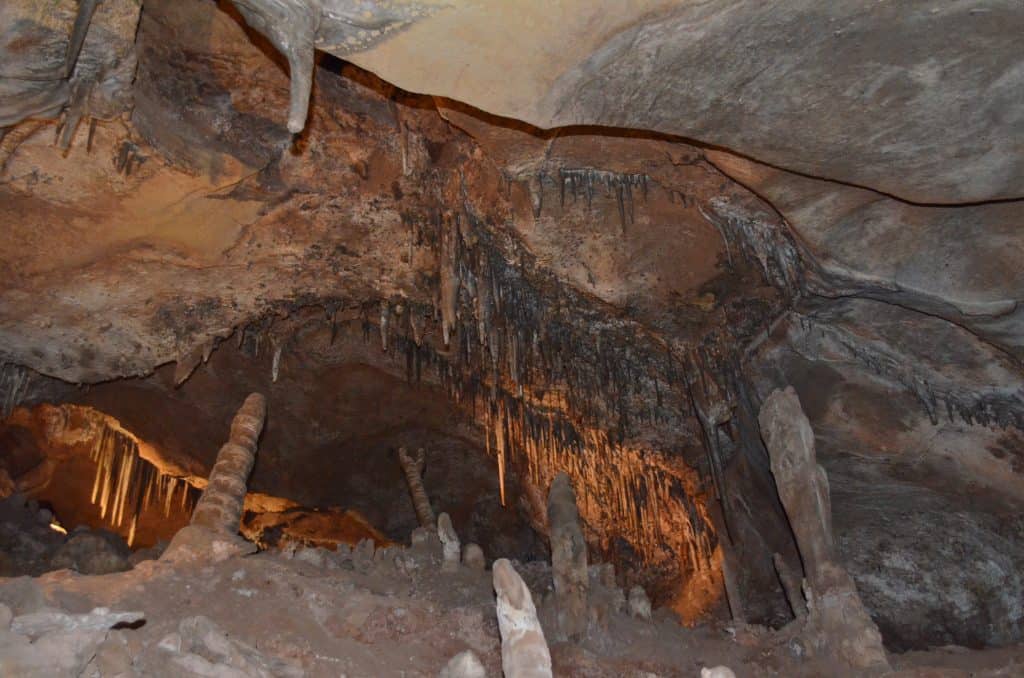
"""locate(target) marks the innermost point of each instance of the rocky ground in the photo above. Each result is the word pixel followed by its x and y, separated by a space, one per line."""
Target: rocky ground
pixel 365 612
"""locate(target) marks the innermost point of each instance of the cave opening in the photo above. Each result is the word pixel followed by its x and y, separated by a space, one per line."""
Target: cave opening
pixel 359 338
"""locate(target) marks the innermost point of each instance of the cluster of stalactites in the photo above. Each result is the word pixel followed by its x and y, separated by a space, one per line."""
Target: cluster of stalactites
pixel 125 484
pixel 585 180
pixel 645 503
pixel 509 325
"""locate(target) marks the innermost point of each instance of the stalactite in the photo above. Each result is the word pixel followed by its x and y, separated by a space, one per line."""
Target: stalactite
pixel 584 180
pixel 385 322
pixel 275 363
pixel 617 487
pixel 767 244
pixel 561 384
pixel 86 9
pixel 417 323
pixel 449 292
pixel 934 390
pixel 125 484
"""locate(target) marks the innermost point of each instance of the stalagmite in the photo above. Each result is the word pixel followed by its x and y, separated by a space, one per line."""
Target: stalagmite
pixel 451 548
pixel 220 507
pixel 463 665
pixel 837 624
pixel 639 603
pixel 717 672
pixel 412 466
pixel 802 483
pixel 524 651
pixel 473 557
pixel 568 559
pixel 213 532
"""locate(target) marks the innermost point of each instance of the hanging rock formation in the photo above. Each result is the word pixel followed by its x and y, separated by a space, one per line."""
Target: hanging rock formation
pixel 296 27
pixel 837 624
pixel 524 651
pixel 218 514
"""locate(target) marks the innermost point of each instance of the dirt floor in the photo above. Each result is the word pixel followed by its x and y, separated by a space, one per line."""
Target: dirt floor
pixel 365 612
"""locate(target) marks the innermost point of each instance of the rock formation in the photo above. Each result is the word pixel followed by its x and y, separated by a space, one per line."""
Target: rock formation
pixel 451 548
pixel 524 651
pixel 220 508
pixel 213 532
pixel 568 559
pixel 837 622
pixel 473 557
pixel 412 467
pixel 638 602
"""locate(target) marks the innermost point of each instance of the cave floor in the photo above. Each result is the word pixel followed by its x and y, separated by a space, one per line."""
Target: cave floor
pixel 393 613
